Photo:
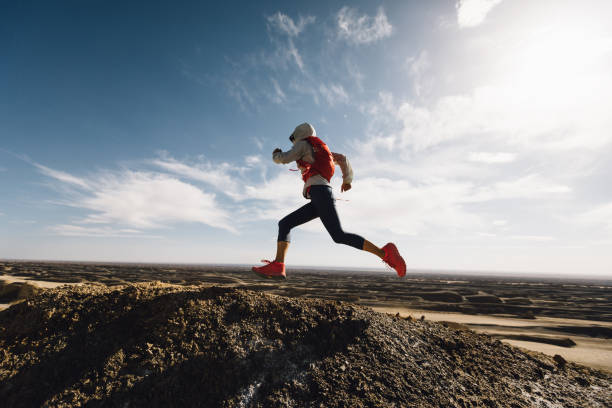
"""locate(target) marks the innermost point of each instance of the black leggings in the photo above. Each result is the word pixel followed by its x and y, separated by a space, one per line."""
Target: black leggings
pixel 322 205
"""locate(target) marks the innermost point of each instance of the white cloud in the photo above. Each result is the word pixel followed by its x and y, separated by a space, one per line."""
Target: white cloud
pixel 253 160
pixel 362 29
pixel 510 115
pixel 492 158
pixel 471 13
pixel 286 25
pixel 215 174
pixel 528 187
pixel 417 69
pixel 71 230
pixel 598 216
pixel 535 238
pixel 140 199
pixel 283 191
pixel 407 208
pixel 151 200
pixel 553 116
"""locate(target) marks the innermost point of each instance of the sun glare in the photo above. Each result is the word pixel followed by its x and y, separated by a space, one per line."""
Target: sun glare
pixel 557 57
pixel 554 72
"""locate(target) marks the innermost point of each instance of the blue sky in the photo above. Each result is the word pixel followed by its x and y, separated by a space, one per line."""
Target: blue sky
pixel 479 130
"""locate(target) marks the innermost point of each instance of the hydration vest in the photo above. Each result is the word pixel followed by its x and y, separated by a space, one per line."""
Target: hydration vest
pixel 323 161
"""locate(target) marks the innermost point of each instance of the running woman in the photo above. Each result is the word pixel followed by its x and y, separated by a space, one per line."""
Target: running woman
pixel 317 164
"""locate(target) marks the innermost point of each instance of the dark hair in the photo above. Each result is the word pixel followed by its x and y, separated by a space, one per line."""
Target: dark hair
pixel 292 138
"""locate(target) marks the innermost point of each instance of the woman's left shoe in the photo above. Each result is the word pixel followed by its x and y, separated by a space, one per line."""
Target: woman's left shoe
pixel 394 259
pixel 273 270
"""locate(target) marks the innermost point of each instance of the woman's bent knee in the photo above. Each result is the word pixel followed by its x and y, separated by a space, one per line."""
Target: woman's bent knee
pixel 349 239
pixel 339 238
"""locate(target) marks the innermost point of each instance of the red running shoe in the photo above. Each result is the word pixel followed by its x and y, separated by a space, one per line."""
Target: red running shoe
pixel 273 270
pixel 394 259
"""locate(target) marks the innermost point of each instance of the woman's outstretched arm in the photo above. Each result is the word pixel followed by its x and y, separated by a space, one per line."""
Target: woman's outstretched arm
pixel 347 170
pixel 297 152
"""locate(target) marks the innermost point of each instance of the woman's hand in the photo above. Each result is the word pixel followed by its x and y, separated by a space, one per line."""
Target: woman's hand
pixel 345 187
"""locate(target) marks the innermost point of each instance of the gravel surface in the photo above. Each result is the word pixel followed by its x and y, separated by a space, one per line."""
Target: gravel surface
pixel 160 345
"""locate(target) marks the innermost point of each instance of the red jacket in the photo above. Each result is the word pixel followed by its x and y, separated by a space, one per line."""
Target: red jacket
pixel 324 161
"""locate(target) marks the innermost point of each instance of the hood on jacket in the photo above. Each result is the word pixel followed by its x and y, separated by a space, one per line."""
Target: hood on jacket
pixel 303 131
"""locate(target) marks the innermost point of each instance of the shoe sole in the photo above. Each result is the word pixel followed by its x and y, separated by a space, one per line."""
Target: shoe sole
pixel 263 275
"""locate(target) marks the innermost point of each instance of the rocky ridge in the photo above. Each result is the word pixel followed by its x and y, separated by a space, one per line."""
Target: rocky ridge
pixel 154 345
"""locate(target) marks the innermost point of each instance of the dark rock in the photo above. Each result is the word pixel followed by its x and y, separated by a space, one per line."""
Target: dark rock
pixel 582 381
pixel 443 296
pixel 11 292
pixel 483 299
pixel 155 345
pixel 561 362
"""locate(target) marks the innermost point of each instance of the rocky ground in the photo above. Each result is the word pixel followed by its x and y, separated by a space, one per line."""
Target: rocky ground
pixel 154 344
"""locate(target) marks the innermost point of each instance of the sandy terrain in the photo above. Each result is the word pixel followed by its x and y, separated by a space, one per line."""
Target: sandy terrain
pixel 8 279
pixel 39 283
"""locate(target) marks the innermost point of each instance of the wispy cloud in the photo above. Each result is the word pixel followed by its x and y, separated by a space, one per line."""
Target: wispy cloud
pixel 306 88
pixel 286 25
pixel 362 29
pixel 471 13
pixel 22 221
pixel 333 94
pixel 277 95
pixel 237 89
pixel 215 174
pixel 258 142
pixel 288 28
pixel 63 176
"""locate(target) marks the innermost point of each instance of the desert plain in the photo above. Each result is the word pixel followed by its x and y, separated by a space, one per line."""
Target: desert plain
pixel 555 316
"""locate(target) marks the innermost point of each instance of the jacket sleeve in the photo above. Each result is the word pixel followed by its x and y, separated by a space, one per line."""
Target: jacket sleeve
pixel 296 153
pixel 345 166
